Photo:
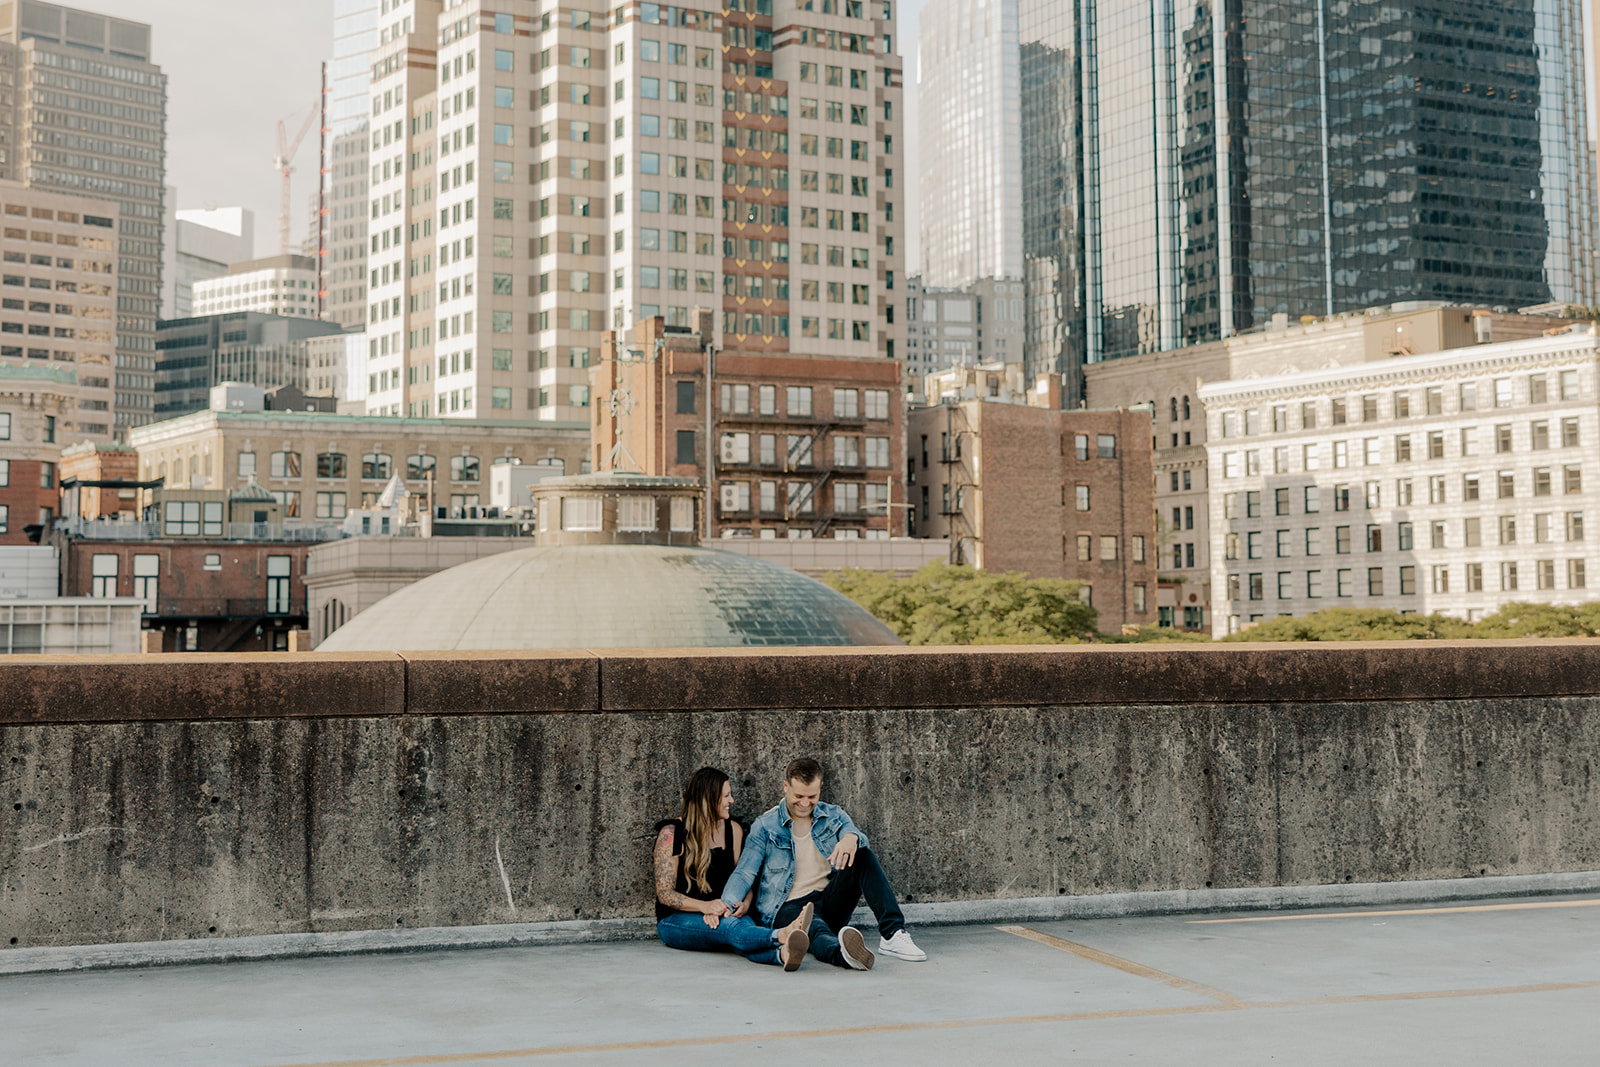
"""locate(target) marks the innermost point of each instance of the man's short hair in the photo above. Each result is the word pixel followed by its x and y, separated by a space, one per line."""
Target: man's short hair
pixel 805 769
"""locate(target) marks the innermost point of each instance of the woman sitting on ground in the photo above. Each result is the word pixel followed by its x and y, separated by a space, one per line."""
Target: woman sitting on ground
pixel 694 856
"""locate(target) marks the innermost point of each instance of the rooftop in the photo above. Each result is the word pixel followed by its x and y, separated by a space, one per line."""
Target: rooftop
pixel 1491 981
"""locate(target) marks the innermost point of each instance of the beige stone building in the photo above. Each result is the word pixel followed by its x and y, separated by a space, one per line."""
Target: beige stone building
pixel 1170 382
pixel 319 465
pixel 58 296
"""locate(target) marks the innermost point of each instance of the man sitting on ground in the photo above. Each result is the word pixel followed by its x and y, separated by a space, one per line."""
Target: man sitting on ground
pixel 809 852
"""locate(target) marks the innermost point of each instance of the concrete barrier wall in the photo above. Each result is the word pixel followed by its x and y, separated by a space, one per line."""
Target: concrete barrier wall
pixel 162 797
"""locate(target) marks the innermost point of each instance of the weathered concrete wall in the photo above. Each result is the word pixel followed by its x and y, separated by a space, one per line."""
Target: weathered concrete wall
pixel 147 798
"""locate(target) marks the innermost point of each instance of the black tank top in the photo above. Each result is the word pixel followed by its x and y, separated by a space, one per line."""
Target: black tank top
pixel 721 866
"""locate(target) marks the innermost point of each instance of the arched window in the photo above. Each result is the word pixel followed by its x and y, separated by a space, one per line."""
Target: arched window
pixel 1186 407
pixel 1174 409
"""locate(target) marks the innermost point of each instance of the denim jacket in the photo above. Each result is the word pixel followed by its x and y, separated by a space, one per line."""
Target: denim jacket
pixel 769 849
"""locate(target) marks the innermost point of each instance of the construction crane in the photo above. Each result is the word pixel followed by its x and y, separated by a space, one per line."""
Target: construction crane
pixel 282 161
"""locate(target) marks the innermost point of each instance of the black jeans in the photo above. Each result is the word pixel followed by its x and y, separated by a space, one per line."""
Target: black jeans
pixel 839 898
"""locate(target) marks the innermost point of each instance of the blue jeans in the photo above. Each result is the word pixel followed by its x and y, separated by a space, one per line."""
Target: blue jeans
pixel 688 930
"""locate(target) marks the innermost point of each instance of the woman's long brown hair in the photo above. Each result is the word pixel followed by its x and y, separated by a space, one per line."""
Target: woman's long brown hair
pixel 702 794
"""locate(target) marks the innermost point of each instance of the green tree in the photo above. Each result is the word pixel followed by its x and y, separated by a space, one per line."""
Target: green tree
pixel 948 605
pixel 1541 620
pixel 1356 624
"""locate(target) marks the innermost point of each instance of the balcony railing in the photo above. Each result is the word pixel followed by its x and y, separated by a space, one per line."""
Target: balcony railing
pixel 110 530
pixel 216 607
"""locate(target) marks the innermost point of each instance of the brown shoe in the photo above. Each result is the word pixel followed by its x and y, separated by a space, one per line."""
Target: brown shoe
pixel 856 955
pixel 793 949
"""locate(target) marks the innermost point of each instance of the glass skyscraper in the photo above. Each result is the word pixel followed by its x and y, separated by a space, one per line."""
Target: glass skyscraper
pixel 1190 171
pixel 971 196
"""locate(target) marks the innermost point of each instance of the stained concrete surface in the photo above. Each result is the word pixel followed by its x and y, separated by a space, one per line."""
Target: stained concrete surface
pixel 1486 982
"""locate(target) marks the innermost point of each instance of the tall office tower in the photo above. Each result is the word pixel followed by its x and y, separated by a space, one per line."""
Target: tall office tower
pixel 344 236
pixel 969 102
pixel 540 177
pixel 1235 160
pixel 91 119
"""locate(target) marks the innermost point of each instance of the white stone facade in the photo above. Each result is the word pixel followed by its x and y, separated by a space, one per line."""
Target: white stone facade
pixel 1452 483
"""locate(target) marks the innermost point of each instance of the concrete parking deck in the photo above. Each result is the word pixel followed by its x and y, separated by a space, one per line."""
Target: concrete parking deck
pixel 1492 981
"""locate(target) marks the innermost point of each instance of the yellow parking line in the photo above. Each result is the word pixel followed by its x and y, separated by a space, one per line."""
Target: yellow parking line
pixel 1126 966
pixel 954 1024
pixel 1453 910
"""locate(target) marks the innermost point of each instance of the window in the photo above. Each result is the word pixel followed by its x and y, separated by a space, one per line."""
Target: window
pixel 1502 399
pixel 1339 417
pixel 377 466
pixel 103 575
pixel 1506 483
pixel 1472 532
pixel 1436 444
pixel 1137 547
pixel 1508 577
pixel 330 505
pixel 1467 396
pixel 1405 537
pixel 798 398
pixel 1341 540
pixel 284 465
pixel 1374 581
pixel 1346 582
pixel 246 464
pixel 1508 529
pixel 1285 585
pixel 1310 458
pixel 1081 497
pixel 420 466
pixel 331 465
pixel 1308 415
pixel 1569 433
pixel 1441 578
pixel 1106 445
pixel 1280 501
pixel 1313 541
pixel 1469 487
pixel 192 518
pixel 1539 435
pixel 1402 493
pixel 1541 481
pixel 1502 438
pixel 1402 448
pixel 1252 504
pixel 1257 587
pixel 1474 577
pixel 1253 544
pixel 1374 538
pixel 1313 499
pixel 686 449
pixel 1314 584
pixel 1283 544
pixel 1576 577
pixel 685 397
pixel 1575 526
pixel 1341 454
pixel 464 468
pixel 1572 480
pixel 1341 498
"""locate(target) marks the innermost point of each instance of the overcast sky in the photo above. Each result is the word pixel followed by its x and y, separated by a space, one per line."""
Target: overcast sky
pixel 236 67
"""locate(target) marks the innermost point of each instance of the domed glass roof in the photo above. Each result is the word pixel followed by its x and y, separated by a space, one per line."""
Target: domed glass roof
pixel 610 596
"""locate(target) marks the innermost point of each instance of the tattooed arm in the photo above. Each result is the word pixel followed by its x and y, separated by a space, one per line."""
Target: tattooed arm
pixel 667 879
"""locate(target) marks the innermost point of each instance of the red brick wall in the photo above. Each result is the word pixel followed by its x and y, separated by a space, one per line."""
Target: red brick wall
pixel 23 497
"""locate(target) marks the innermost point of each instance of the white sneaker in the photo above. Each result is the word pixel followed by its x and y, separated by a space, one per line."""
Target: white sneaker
pixel 901 947
pixel 854 949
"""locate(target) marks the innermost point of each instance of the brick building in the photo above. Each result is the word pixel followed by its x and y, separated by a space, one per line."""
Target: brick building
pixel 1016 484
pixel 37 403
pixel 104 478
pixel 216 568
pixel 800 446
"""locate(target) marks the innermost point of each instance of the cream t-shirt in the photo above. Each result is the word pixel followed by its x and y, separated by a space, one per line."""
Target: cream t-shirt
pixel 810 865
